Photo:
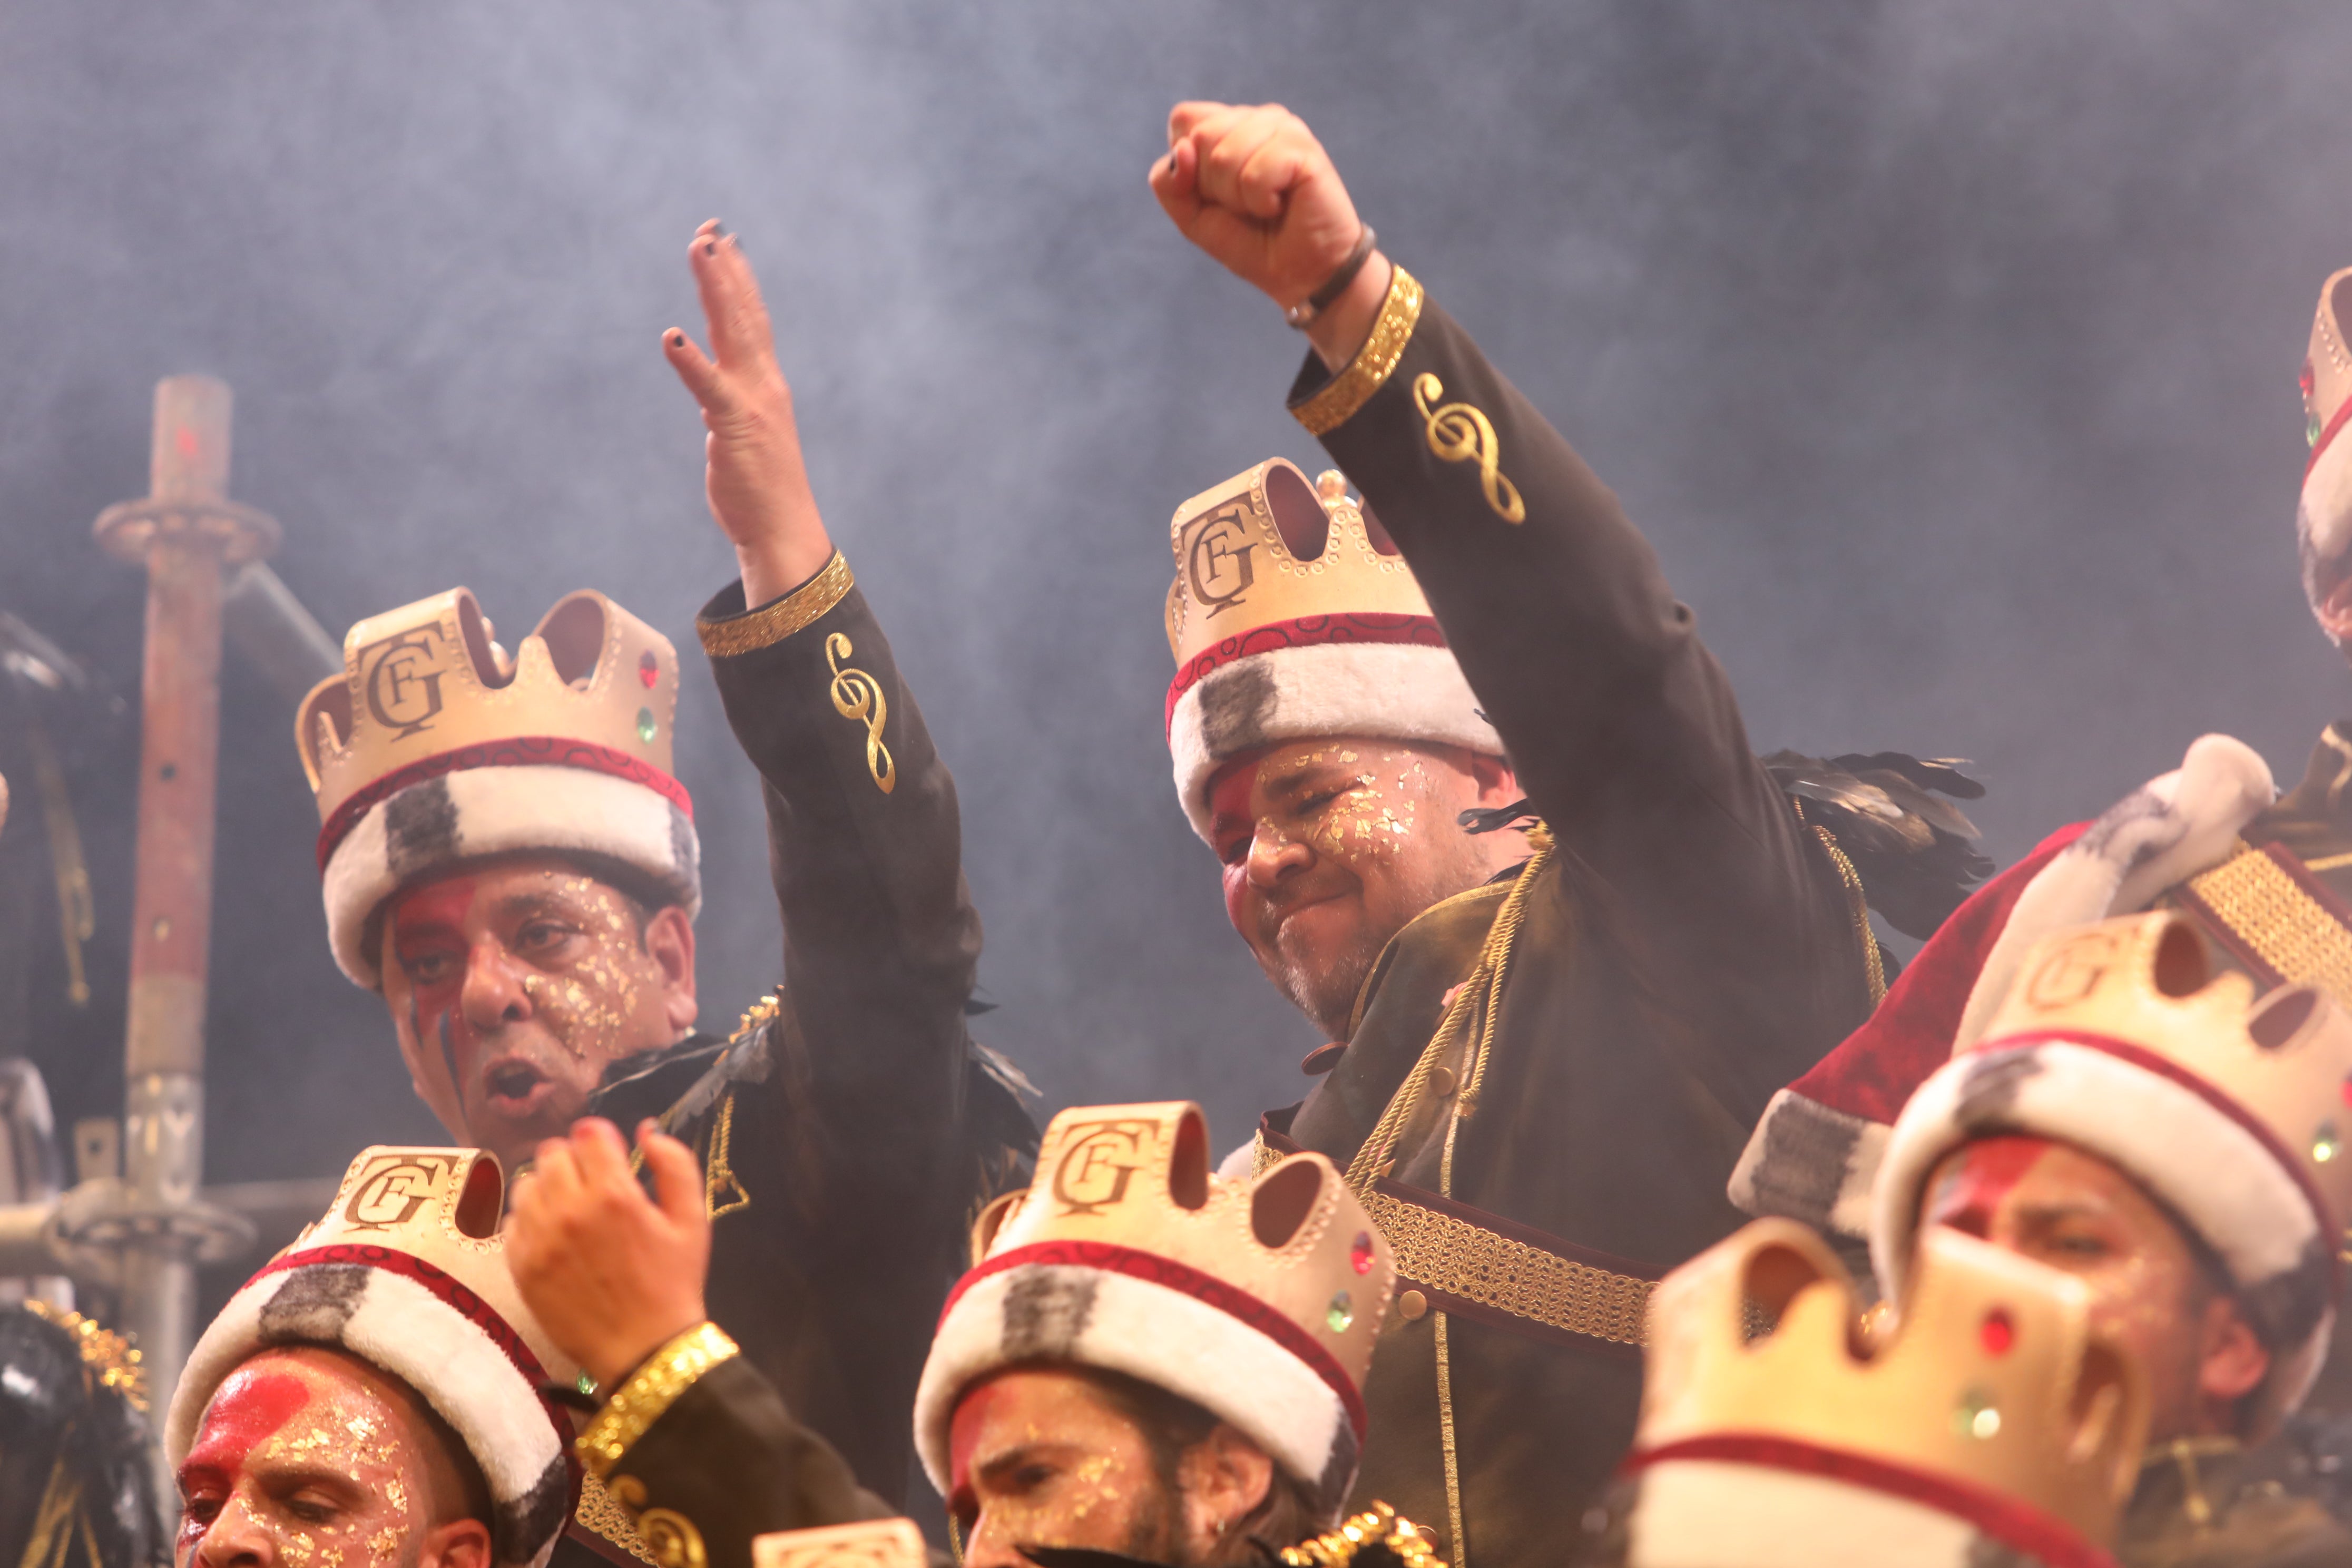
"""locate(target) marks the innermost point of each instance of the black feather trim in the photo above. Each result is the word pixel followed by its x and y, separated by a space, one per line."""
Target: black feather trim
pixel 1916 854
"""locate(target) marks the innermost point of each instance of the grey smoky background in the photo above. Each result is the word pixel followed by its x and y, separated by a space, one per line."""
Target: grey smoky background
pixel 1946 349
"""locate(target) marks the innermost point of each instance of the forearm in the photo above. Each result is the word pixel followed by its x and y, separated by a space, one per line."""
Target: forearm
pixel 697 1433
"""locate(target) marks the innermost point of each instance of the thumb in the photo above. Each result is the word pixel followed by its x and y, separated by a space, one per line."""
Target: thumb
pixel 678 1179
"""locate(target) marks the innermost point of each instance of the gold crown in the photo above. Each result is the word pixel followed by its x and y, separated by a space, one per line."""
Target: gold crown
pixel 2285 1060
pixel 2327 368
pixel 1994 1375
pixel 1265 547
pixel 425 680
pixel 1138 1176
pixel 111 1357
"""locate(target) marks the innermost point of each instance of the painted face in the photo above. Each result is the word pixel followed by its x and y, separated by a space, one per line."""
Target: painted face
pixel 514 984
pixel 2054 1203
pixel 1038 1456
pixel 307 1458
pixel 1331 845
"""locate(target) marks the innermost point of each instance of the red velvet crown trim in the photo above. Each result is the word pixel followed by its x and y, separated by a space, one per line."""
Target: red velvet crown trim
pixel 521 752
pixel 1307 631
pixel 1207 1289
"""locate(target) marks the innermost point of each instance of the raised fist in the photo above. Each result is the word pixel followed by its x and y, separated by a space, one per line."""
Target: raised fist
pixel 1252 186
pixel 757 482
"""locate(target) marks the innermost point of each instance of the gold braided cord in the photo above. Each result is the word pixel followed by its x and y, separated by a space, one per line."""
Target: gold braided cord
pixel 650 1390
pixel 600 1514
pixel 772 623
pixel 1369 370
pixel 1451 1445
pixel 1379 1526
pixel 110 1357
pixel 2278 919
pixel 1470 1263
pixel 1872 964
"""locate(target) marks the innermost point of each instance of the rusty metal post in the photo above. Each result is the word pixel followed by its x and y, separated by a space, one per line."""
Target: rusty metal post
pixel 184 533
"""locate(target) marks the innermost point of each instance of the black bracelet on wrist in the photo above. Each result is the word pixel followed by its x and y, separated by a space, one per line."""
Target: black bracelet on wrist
pixel 1315 304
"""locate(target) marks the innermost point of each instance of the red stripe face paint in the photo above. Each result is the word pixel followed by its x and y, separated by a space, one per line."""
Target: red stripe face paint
pixel 1971 1185
pixel 249 1406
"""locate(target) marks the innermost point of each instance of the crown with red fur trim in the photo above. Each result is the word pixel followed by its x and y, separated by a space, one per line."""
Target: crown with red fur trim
pixel 1259 1300
pixel 1293 616
pixel 406 1272
pixel 2323 520
pixel 2118 1039
pixel 1992 1421
pixel 433 747
pixel 1816 1153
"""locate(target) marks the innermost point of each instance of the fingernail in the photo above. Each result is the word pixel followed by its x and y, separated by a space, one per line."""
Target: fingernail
pixel 678 340
pixel 710 247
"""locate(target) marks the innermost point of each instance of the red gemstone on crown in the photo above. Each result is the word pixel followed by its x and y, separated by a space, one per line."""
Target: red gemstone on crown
pixel 1997 1332
pixel 648 669
pixel 1360 1252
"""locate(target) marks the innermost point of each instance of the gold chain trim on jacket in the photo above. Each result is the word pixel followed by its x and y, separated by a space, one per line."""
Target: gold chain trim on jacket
pixel 1873 964
pixel 1461 433
pixel 1462 1259
pixel 1379 1527
pixel 1369 370
pixel 772 624
pixel 2278 921
pixel 600 1515
pixel 650 1390
pixel 857 696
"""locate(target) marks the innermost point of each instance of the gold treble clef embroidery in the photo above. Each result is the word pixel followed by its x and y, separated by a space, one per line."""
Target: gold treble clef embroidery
pixel 1459 433
pixel 856 696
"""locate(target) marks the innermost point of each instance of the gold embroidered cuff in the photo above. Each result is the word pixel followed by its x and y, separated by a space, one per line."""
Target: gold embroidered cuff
pixel 653 1388
pixel 772 624
pixel 1353 388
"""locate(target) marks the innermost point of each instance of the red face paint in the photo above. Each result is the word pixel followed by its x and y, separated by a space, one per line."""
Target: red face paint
pixel 249 1406
pixel 963 1435
pixel 1988 1170
pixel 443 905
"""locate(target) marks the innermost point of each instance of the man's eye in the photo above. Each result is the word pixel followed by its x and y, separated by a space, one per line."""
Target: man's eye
pixel 311 1509
pixel 1318 801
pixel 541 934
pixel 1233 852
pixel 2079 1246
pixel 201 1509
pixel 1029 1478
pixel 428 968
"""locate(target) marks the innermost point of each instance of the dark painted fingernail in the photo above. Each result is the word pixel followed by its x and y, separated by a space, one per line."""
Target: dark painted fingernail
pixel 678 340
pixel 710 247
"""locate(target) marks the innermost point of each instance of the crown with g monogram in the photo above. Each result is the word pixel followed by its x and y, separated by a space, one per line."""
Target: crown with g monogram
pixel 1266 547
pixel 1292 595
pixel 1127 1245
pixel 2120 1039
pixel 406 1271
pixel 1993 1384
pixel 434 745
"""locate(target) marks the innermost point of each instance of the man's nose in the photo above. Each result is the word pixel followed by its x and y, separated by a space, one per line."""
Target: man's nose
pixel 236 1539
pixel 494 992
pixel 989 1546
pixel 1274 855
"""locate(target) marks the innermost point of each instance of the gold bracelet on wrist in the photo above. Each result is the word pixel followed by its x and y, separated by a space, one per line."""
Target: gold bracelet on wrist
pixel 648 1391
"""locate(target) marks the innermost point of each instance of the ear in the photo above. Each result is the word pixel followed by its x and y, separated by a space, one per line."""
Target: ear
pixel 1497 784
pixel 460 1543
pixel 2232 1361
pixel 669 939
pixel 2335 611
pixel 1221 1478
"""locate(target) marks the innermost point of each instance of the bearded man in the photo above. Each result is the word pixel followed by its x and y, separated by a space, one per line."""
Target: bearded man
pixel 1147 1364
pixel 1541 1079
pixel 509 859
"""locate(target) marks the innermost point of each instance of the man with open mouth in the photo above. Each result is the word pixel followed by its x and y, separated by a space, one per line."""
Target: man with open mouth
pixel 511 861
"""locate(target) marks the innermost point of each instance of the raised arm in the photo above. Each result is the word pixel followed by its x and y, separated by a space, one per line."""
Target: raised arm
pixel 1621 726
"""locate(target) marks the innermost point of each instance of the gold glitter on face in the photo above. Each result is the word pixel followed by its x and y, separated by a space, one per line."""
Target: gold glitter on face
pixel 1041 1459
pixel 516 984
pixel 1332 847
pixel 309 1456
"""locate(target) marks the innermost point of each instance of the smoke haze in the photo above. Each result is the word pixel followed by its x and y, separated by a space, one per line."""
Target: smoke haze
pixel 1946 349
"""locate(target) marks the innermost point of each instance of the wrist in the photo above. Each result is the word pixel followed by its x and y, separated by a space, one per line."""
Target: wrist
pixel 772 568
pixel 613 1365
pixel 1340 328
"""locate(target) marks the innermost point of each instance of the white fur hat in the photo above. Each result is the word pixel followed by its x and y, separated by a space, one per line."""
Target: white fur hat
pixel 407 1273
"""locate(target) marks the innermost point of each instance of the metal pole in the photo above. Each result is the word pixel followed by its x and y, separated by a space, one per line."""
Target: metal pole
pixel 184 533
